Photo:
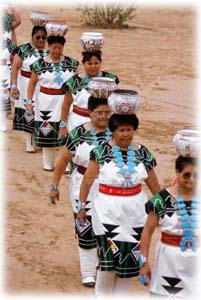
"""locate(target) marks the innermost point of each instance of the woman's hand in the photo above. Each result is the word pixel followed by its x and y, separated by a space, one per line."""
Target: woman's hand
pixel 145 271
pixel 53 196
pixel 15 93
pixel 29 110
pixel 82 214
pixel 63 131
pixel 62 134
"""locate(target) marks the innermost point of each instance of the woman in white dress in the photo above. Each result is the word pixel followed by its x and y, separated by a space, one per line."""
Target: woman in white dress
pixel 26 54
pixel 175 210
pixel 50 71
pixel 76 89
pixel 11 20
pixel 80 141
pixel 118 213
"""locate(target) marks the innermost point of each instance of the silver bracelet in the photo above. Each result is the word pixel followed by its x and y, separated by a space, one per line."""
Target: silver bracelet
pixel 13 86
pixel 81 205
pixel 142 260
pixel 27 101
pixel 53 187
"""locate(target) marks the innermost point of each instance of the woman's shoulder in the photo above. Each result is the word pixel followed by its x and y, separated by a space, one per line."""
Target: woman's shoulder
pixel 71 60
pixel 26 45
pixel 110 75
pixel 24 49
pixel 102 150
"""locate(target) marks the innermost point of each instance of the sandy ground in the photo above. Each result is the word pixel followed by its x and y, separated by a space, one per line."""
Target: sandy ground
pixel 157 57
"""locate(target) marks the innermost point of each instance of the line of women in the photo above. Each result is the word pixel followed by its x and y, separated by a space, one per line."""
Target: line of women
pixel 110 207
pixel 96 123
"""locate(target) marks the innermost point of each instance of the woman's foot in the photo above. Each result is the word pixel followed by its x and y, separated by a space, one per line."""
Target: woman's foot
pixel 89 281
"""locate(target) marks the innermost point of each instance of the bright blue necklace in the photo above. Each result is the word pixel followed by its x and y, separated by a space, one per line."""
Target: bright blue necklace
pixel 107 134
pixel 57 70
pixel 188 224
pixel 128 167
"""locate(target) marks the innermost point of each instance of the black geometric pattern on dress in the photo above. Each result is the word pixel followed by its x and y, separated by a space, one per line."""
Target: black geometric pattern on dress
pixel 104 154
pixel 44 115
pixel 76 83
pixel 138 231
pixel 80 135
pixel 42 66
pixel 8 43
pixel 172 281
pixel 163 204
pixel 110 228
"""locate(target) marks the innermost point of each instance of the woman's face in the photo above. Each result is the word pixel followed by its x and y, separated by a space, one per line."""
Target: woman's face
pixel 188 177
pixel 56 50
pixel 100 116
pixel 39 39
pixel 92 66
pixel 123 135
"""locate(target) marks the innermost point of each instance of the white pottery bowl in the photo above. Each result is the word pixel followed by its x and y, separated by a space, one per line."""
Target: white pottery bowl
pixel 124 102
pixel 39 18
pixel 92 41
pixel 187 142
pixel 56 28
pixel 101 87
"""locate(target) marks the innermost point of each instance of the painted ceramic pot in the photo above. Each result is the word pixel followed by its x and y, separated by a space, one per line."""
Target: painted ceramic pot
pixel 56 28
pixel 187 142
pixel 101 87
pixel 39 18
pixel 92 41
pixel 124 102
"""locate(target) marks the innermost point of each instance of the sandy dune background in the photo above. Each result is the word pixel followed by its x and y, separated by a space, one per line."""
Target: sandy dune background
pixel 157 57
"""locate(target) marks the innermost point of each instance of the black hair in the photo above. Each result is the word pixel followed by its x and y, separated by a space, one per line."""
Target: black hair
pixel 181 162
pixel 56 39
pixel 87 55
pixel 117 120
pixel 37 28
pixel 94 102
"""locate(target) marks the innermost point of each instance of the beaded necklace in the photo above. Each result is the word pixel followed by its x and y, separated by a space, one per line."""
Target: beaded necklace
pixel 188 224
pixel 125 168
pixel 107 135
pixel 57 70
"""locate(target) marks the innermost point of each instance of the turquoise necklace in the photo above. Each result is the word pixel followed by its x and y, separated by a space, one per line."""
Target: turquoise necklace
pixel 125 168
pixel 129 166
pixel 57 70
pixel 107 135
pixel 188 224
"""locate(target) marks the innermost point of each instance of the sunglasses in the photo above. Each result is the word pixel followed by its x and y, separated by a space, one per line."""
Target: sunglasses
pixel 40 37
pixel 188 175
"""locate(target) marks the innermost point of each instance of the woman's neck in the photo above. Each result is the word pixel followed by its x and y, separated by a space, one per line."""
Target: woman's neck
pixel 123 147
pixel 49 58
pixel 90 125
pixel 185 193
pixel 97 128
pixel 37 48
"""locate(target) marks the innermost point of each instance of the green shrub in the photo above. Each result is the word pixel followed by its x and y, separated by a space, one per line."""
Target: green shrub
pixel 106 15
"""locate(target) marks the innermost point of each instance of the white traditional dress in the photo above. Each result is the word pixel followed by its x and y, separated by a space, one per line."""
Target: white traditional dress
pixel 8 48
pixel 80 142
pixel 78 87
pixel 29 54
pixel 118 220
pixel 50 98
pixel 175 273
